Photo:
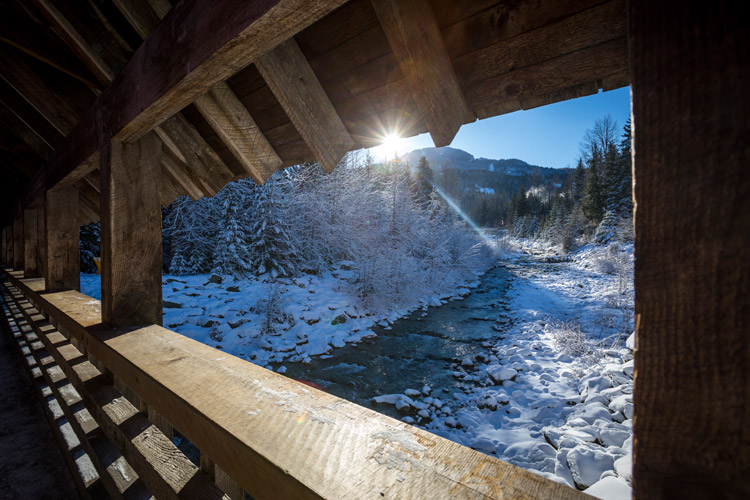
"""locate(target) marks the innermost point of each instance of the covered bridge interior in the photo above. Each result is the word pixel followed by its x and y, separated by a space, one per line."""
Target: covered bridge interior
pixel 111 108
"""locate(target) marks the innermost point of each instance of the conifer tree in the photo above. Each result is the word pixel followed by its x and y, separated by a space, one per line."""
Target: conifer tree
pixel 423 182
pixel 593 201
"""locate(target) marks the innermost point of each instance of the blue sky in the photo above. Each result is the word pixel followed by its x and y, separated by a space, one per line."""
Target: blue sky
pixel 546 136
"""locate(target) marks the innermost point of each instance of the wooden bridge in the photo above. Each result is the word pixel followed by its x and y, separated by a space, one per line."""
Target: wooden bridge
pixel 111 108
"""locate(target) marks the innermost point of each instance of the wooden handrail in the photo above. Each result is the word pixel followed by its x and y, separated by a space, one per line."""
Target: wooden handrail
pixel 276 437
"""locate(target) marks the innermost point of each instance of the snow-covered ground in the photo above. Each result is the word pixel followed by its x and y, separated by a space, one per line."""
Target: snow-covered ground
pixel 554 393
pixel 268 321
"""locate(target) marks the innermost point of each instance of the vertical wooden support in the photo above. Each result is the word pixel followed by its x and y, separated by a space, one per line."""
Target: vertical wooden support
pixel 63 259
pixel 691 102
pixel 131 232
pixel 18 251
pixel 34 247
pixel 4 251
pixel 9 246
pixel 225 483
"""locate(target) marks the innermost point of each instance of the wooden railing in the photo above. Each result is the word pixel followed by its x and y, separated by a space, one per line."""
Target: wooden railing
pixel 256 430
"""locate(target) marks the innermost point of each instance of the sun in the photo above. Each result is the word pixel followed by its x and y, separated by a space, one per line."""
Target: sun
pixel 392 144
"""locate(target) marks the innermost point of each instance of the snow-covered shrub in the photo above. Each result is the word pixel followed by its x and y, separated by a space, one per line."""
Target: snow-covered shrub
pixel 273 310
pixel 612 260
pixel 569 338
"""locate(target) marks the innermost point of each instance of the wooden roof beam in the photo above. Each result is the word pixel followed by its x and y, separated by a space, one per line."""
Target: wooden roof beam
pixel 182 139
pixel 233 124
pixel 219 106
pixel 287 72
pixel 155 83
pixel 29 116
pixel 180 173
pixel 75 41
pixel 38 92
pixel 15 126
pixel 414 36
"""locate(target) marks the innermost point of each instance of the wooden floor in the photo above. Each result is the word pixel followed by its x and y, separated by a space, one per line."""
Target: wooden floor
pixel 31 465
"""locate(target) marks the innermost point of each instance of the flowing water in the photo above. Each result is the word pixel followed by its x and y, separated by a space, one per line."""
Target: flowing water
pixel 417 350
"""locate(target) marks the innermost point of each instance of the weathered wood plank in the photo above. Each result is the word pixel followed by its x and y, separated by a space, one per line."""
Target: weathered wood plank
pixel 63 262
pixel 34 245
pixel 237 129
pixel 182 138
pixel 593 26
pixel 692 259
pixel 415 39
pixel 294 84
pixel 18 243
pixel 139 14
pixel 578 67
pixel 251 441
pixel 131 233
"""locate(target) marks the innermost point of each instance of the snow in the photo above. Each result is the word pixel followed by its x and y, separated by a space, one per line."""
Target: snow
pixel 484 190
pixel 552 394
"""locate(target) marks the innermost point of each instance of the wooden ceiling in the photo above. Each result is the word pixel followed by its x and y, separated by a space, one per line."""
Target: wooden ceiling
pixel 352 72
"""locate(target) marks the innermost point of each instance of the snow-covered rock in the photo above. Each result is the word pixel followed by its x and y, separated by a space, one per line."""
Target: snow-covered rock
pixel 610 488
pixel 500 373
pixel 587 464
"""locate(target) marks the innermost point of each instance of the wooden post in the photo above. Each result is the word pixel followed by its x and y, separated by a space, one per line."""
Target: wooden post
pixel 63 259
pixel 34 246
pixel 691 103
pixel 4 251
pixel 9 246
pixel 18 251
pixel 131 232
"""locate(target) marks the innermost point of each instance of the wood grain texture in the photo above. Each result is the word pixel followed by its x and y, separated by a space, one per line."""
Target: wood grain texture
pixel 131 233
pixel 293 82
pixel 34 246
pixel 18 244
pixel 341 450
pixel 9 246
pixel 237 129
pixel 181 174
pixel 182 139
pixel 4 250
pixel 63 261
pixel 689 76
pixel 414 36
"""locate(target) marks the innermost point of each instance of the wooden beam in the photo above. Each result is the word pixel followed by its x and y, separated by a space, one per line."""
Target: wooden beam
pixel 24 132
pixel 219 106
pixel 4 250
pixel 29 115
pixel 179 135
pixel 75 41
pixel 139 14
pixel 63 260
pixel 180 173
pixel 34 244
pixel 237 129
pixel 18 243
pixel 156 83
pixel 9 246
pixel 414 36
pixel 692 257
pixel 290 77
pixel 58 109
pixel 580 67
pixel 131 233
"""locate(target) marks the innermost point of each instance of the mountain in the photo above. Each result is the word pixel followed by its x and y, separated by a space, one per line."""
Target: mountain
pixel 461 160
